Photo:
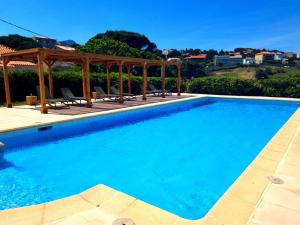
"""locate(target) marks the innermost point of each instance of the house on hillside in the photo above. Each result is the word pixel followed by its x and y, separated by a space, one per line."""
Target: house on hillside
pixel 228 60
pixel 279 56
pixel 63 48
pixel 173 59
pixel 263 57
pixel 63 65
pixel 197 58
pixel 45 41
pixel 249 61
pixel 15 65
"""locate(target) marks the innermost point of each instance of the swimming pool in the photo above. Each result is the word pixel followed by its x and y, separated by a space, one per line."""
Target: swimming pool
pixel 180 157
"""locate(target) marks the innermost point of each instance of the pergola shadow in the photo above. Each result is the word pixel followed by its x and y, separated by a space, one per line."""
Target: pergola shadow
pixel 101 106
pixel 50 56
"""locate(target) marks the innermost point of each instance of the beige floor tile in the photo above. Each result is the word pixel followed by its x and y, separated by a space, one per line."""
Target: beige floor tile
pixel 145 214
pixel 99 216
pixel 31 215
pixel 285 197
pixel 293 157
pixel 271 155
pixel 289 170
pixel 181 221
pixel 265 164
pixel 283 140
pixel 290 184
pixel 275 147
pixel 232 210
pixel 65 207
pixel 211 221
pixel 295 148
pixel 270 214
pixel 250 186
pixel 98 195
pixel 118 203
pixel 72 220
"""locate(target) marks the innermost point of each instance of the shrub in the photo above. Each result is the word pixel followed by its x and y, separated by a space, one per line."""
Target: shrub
pixel 277 87
pixel 24 83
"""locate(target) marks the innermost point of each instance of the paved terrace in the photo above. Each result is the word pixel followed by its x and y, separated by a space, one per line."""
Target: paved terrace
pixel 27 116
pixel 252 199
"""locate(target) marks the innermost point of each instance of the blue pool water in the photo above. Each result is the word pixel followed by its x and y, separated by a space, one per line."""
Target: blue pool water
pixel 181 157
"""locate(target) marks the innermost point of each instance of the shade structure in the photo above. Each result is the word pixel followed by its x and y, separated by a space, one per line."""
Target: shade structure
pixel 49 56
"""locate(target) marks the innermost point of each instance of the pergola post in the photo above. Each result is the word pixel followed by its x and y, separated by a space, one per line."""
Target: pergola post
pixel 83 78
pixel 178 79
pixel 50 77
pixel 163 79
pixel 145 81
pixel 108 66
pixel 129 79
pixel 40 58
pixel 87 82
pixel 120 64
pixel 6 83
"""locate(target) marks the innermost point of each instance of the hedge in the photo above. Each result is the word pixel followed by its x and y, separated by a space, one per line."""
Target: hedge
pixel 275 87
pixel 24 83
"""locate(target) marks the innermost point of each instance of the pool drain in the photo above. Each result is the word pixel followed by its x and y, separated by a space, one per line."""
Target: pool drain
pixel 123 221
pixel 275 180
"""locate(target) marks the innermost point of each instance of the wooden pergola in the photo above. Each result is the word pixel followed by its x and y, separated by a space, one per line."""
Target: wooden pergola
pixel 50 56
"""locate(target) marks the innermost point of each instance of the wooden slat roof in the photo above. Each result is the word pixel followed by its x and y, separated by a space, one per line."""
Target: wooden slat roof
pixel 71 56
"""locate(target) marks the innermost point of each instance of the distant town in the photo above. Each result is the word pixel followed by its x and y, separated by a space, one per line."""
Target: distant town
pixel 206 58
pixel 240 56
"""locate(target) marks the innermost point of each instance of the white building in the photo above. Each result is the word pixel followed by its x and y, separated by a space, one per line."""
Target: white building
pixel 249 61
pixel 279 56
pixel 228 60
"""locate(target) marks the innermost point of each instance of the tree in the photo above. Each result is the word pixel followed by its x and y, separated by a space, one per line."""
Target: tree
pixel 211 53
pixel 106 46
pixel 133 39
pixel 174 54
pixel 18 42
pixel 221 52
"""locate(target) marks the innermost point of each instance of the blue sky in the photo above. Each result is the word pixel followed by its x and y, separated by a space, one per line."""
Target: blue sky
pixel 218 24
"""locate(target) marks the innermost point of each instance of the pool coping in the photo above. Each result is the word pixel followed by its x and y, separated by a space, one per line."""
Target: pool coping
pixel 234 207
pixel 96 114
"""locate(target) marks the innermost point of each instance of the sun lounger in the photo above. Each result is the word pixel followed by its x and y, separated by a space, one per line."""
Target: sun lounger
pixel 51 101
pixel 102 95
pixel 158 92
pixel 69 96
pixel 127 96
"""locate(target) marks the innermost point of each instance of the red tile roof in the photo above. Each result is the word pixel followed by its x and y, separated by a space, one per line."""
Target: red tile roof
pixel 15 64
pixel 202 56
pixel 266 53
pixel 5 49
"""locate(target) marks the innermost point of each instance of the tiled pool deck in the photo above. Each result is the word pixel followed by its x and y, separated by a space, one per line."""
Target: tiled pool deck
pixel 252 199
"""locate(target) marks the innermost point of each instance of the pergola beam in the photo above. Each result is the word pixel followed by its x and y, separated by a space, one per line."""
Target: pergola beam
pixel 178 79
pixel 163 80
pixel 145 68
pixel 129 78
pixel 108 66
pixel 40 59
pixel 86 81
pixel 83 78
pixel 120 66
pixel 6 83
pixel 49 64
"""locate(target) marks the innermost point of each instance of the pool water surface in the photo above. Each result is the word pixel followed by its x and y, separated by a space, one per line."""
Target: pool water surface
pixel 180 157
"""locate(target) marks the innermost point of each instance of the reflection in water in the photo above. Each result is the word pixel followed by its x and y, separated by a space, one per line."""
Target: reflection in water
pixel 4 164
